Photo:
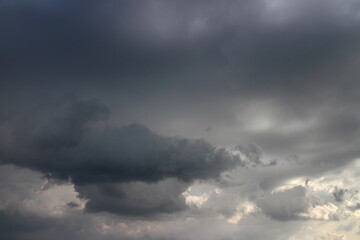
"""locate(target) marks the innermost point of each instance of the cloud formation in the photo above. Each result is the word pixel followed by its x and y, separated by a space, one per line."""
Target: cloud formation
pixel 125 170
pixel 59 146
pixel 212 120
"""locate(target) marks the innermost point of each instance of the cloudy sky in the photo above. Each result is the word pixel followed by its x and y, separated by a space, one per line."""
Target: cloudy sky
pixel 180 119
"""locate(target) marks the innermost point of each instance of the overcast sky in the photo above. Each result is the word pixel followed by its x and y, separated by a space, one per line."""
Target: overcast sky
pixel 180 119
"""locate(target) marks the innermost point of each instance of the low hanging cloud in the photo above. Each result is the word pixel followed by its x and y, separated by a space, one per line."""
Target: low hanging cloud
pixel 63 147
pixel 118 167
pixel 139 199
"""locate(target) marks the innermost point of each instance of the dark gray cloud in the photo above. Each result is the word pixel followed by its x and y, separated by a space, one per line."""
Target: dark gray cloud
pixel 139 199
pixel 15 223
pixel 31 226
pixel 113 39
pixel 275 75
pixel 117 169
pixel 58 144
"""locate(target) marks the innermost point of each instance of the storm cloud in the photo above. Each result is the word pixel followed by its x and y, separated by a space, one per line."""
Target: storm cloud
pixel 172 119
pixel 115 168
pixel 61 147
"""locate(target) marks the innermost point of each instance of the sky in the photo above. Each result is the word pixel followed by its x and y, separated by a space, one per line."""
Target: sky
pixel 179 120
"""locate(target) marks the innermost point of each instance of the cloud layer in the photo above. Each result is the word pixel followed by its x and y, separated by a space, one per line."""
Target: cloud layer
pixel 172 119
